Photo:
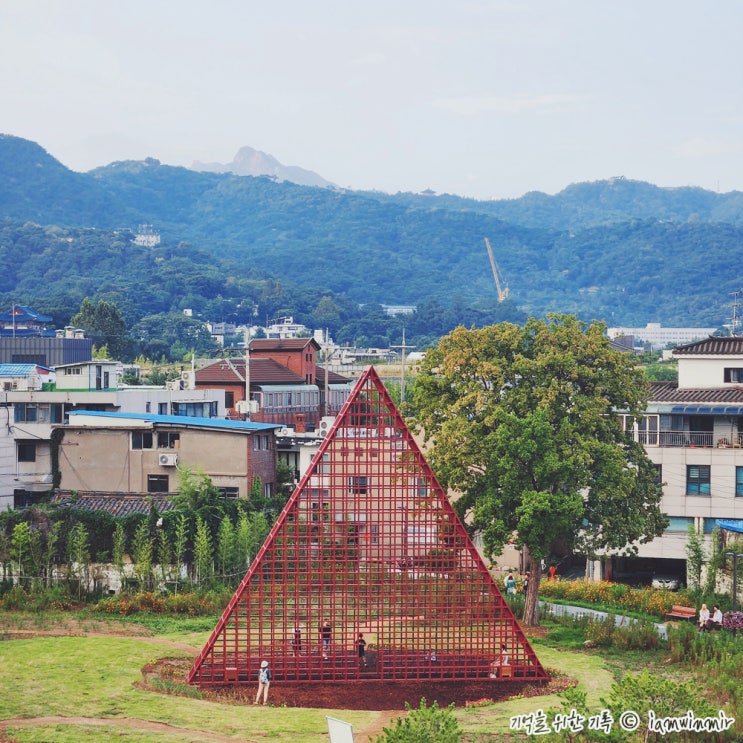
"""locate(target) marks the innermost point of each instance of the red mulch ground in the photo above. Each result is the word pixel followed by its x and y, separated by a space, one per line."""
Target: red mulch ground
pixel 363 695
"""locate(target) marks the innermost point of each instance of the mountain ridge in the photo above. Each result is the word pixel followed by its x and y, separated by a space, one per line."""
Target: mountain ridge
pixel 249 161
pixel 620 250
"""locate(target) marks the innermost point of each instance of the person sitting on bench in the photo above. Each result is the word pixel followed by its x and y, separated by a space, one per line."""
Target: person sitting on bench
pixel 703 617
pixel 715 621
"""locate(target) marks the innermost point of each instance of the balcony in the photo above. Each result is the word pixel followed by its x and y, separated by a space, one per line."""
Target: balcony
pixel 698 439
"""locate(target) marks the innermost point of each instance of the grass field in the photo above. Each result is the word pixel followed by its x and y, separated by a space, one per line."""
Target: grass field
pixel 82 685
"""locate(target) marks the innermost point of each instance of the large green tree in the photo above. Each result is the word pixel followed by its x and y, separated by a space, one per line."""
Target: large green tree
pixel 103 323
pixel 523 423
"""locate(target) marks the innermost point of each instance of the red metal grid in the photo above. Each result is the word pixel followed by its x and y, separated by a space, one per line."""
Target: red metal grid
pixel 370 544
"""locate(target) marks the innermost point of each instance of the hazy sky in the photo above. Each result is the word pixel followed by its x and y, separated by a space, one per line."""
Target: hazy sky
pixel 483 98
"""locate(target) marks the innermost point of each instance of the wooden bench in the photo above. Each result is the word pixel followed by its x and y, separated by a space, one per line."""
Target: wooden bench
pixel 682 612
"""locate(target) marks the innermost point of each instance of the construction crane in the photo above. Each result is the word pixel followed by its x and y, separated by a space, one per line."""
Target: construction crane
pixel 500 283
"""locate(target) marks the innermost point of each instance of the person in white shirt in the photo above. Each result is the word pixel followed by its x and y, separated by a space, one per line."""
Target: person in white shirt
pixel 703 617
pixel 716 621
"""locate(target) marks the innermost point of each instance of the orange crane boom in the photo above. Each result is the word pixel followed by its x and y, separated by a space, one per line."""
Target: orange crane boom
pixel 500 283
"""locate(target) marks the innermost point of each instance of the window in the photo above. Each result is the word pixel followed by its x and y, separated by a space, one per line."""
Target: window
pixel 229 492
pixel 26 451
pixel 710 525
pixel 229 399
pixel 697 479
pixel 142 440
pixel 628 422
pixel 357 485
pixel 167 440
pixel 157 483
pixel 77 371
pixel 26 412
pixel 678 524
pixel 648 429
pixel 194 409
pixel 733 375
pixel 739 482
pixel 162 408
pixel 658 479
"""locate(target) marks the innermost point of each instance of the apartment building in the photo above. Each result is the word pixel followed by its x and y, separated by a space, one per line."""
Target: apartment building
pixel 693 432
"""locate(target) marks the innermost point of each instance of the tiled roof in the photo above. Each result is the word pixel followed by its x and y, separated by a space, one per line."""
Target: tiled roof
pixel 262 371
pixel 23 314
pixel 282 344
pixel 115 503
pixel 333 378
pixel 712 346
pixel 669 392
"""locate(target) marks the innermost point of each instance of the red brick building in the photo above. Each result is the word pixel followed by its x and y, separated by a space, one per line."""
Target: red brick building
pixel 286 385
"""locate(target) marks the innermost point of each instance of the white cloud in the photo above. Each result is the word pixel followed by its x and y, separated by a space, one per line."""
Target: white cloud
pixel 472 106
pixel 706 147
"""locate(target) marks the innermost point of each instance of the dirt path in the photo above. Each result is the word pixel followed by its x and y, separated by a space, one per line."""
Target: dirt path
pixel 127 722
pixel 365 735
pixel 370 732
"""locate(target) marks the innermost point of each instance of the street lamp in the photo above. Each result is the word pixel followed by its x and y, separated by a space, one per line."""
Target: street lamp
pixel 735 556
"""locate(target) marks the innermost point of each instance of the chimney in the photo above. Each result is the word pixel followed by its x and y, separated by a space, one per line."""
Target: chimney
pixel 299 424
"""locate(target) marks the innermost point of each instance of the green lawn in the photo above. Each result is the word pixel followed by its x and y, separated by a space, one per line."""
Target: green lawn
pixel 63 679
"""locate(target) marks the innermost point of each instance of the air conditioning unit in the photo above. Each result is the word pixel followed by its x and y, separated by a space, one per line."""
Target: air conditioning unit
pixel 246 408
pixel 326 422
pixel 188 378
pixel 285 432
pixel 168 460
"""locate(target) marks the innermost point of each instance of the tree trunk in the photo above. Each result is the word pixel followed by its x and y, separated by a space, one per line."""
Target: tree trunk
pixel 531 605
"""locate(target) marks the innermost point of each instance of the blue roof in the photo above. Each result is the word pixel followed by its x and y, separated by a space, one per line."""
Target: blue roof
pixel 27 333
pixel 20 370
pixel 181 420
pixel 25 312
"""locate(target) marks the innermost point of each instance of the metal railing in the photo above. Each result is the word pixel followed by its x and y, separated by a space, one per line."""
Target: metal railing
pixel 701 439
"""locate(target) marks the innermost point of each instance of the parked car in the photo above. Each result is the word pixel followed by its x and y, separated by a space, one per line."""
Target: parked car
pixel 666 582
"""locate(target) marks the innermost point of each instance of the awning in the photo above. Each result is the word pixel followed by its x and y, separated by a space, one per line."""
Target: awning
pixel 729 410
pixel 730 524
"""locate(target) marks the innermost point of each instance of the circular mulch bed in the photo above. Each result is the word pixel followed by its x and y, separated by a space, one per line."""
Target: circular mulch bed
pixel 168 674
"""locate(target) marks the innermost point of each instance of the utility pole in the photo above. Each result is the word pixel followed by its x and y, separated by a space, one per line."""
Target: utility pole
pixel 403 348
pixel 247 372
pixel 327 384
pixel 734 328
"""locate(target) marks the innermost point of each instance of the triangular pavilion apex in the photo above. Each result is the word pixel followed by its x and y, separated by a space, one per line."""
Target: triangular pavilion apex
pixel 368 573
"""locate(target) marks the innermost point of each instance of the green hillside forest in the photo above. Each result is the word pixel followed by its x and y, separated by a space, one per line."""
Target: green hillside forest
pixel 245 249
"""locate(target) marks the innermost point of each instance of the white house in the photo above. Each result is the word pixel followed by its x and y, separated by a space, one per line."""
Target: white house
pixel 693 432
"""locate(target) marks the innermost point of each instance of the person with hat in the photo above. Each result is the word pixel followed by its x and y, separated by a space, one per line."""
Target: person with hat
pixel 264 681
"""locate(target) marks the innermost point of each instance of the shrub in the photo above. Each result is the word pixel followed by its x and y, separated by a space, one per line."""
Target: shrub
pixel 424 725
pixel 636 636
pixel 600 632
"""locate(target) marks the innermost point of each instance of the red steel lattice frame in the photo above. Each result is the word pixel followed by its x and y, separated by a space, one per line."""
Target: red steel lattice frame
pixel 368 542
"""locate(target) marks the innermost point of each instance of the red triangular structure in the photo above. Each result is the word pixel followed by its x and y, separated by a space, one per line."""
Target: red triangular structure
pixel 369 543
